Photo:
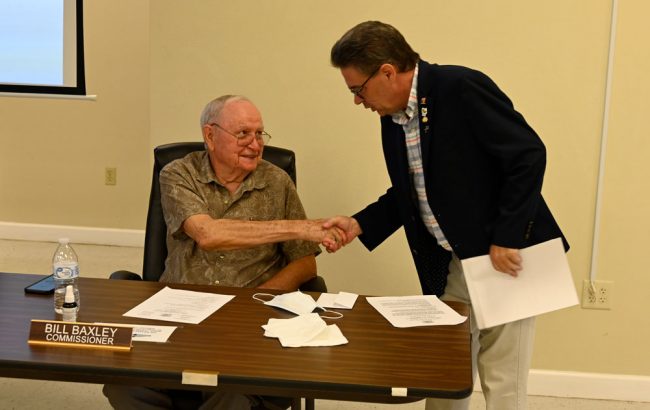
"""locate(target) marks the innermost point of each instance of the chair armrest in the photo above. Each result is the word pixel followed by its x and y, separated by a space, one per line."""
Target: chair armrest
pixel 315 284
pixel 125 275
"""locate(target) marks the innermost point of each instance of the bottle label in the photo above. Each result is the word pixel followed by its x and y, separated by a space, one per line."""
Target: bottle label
pixel 66 271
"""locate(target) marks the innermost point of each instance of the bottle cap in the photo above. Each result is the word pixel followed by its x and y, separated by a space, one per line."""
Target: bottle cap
pixel 69 294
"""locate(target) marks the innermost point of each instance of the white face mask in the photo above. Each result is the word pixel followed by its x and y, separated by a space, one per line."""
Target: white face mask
pixel 295 331
pixel 296 302
pixel 304 330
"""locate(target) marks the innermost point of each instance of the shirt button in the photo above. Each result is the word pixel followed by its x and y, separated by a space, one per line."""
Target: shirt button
pixel 221 256
pixel 216 282
pixel 225 202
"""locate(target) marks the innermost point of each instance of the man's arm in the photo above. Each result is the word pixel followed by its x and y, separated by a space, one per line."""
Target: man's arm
pixel 293 275
pixel 228 234
pixel 372 225
pixel 518 152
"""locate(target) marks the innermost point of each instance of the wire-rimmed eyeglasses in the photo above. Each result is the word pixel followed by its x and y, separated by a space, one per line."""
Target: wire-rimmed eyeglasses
pixel 358 90
pixel 244 138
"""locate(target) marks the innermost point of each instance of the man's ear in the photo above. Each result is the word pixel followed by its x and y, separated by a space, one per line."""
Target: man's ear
pixel 208 134
pixel 388 70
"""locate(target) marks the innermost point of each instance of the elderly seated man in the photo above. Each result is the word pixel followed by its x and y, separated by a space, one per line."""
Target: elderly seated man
pixel 233 219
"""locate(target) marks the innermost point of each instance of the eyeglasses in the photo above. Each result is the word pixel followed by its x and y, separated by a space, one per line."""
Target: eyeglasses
pixel 244 138
pixel 357 90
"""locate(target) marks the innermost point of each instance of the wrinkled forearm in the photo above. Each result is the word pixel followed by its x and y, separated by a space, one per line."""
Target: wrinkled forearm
pixel 228 234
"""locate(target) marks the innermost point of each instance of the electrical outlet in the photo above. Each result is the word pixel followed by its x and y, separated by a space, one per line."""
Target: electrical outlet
pixel 600 297
pixel 110 176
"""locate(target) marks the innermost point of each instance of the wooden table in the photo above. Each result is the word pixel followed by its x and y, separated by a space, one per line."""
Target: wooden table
pixel 431 361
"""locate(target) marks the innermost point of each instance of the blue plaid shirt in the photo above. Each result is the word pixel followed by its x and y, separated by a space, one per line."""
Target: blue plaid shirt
pixel 409 121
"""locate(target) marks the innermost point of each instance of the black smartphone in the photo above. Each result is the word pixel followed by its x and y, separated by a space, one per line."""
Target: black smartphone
pixel 43 286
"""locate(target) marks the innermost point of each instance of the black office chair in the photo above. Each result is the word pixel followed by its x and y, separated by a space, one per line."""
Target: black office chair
pixel 155 245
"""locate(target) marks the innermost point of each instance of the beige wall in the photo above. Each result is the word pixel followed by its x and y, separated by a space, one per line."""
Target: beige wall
pixel 54 151
pixel 549 57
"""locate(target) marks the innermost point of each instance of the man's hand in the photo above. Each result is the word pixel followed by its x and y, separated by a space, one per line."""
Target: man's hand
pixel 347 226
pixel 506 260
pixel 316 232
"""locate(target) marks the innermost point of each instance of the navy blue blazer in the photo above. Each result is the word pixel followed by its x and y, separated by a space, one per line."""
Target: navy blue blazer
pixel 483 168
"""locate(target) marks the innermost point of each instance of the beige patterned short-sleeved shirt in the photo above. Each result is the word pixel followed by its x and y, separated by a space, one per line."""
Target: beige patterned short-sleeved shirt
pixel 189 187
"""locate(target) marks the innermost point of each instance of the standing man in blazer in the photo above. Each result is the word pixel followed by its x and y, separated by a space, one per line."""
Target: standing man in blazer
pixel 466 175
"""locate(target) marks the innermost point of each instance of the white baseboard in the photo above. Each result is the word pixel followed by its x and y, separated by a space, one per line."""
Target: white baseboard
pixel 77 234
pixel 594 386
pixel 589 385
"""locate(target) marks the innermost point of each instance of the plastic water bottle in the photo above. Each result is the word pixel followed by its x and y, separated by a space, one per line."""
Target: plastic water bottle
pixel 65 270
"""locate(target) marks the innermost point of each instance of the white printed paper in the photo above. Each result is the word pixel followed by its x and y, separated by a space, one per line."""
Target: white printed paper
pixel 544 284
pixel 147 333
pixel 411 311
pixel 176 305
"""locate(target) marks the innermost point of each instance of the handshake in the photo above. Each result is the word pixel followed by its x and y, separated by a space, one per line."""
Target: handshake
pixel 333 233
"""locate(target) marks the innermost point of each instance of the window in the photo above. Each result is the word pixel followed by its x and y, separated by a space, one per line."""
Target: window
pixel 41 47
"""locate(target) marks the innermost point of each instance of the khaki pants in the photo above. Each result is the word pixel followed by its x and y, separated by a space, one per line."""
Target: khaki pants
pixel 500 354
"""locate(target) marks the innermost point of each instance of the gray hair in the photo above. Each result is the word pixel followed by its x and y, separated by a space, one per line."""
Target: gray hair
pixel 212 110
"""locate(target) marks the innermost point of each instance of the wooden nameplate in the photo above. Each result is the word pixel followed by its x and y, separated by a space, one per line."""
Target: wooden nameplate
pixel 78 334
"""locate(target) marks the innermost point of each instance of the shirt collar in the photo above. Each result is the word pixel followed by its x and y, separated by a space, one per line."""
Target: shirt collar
pixel 411 111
